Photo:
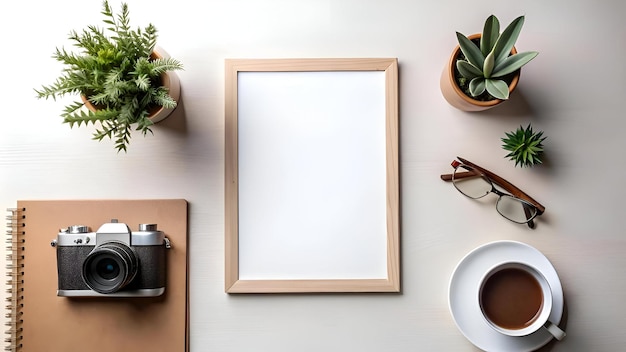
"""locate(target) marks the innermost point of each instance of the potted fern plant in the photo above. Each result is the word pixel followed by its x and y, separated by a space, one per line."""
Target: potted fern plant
pixel 484 68
pixel 124 83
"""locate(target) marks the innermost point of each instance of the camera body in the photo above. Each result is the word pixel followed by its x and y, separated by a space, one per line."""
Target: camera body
pixel 112 262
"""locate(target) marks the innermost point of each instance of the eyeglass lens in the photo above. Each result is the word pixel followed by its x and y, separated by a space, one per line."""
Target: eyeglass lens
pixel 515 209
pixel 470 182
pixel 474 184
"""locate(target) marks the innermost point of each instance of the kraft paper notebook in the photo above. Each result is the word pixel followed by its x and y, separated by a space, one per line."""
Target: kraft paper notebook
pixel 42 321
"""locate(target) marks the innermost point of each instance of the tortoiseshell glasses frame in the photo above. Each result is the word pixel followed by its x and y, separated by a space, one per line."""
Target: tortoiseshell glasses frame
pixel 476 182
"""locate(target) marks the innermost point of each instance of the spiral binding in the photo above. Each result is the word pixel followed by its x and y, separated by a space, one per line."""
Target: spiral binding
pixel 15 272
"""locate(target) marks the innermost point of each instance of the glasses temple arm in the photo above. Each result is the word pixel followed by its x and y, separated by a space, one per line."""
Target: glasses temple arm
pixel 529 216
pixel 462 174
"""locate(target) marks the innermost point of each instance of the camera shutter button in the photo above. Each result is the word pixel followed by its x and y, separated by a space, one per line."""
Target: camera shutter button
pixel 79 229
pixel 147 227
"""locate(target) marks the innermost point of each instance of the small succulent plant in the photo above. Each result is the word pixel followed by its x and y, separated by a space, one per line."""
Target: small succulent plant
pixel 485 65
pixel 524 145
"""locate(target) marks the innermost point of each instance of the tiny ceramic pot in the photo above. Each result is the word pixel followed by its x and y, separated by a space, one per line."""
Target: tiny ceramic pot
pixel 453 93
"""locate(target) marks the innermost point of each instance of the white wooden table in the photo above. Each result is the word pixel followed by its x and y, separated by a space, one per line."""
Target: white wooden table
pixel 574 91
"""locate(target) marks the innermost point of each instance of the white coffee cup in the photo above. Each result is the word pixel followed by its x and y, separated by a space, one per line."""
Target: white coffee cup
pixel 516 300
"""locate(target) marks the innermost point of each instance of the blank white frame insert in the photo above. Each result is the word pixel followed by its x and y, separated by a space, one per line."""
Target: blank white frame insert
pixel 312 175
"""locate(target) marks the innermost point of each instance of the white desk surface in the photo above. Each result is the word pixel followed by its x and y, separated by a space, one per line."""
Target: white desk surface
pixel 574 91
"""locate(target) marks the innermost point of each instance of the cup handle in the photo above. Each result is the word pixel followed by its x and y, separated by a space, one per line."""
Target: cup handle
pixel 555 330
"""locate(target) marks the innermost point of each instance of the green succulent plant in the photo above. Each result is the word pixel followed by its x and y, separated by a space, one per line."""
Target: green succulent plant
pixel 524 145
pixel 117 74
pixel 485 65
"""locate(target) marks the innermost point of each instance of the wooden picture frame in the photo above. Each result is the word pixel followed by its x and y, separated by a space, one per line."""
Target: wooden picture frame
pixel 311 175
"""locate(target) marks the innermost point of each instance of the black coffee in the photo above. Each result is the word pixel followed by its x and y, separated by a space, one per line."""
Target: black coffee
pixel 512 298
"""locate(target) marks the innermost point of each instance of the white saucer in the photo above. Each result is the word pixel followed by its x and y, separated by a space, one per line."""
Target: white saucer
pixel 463 292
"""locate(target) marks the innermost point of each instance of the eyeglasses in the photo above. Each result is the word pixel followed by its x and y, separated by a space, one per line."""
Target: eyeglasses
pixel 475 182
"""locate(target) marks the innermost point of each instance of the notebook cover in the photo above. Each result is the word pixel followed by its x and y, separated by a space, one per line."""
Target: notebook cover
pixel 52 323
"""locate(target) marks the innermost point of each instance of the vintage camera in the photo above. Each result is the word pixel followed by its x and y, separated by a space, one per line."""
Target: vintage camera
pixel 113 261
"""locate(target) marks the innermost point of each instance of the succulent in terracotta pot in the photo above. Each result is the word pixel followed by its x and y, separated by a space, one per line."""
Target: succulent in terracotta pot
pixel 484 68
pixel 124 83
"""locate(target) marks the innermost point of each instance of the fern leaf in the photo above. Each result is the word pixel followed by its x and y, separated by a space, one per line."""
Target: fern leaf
pixel 163 99
pixel 122 137
pixel 61 87
pixel 144 124
pixel 143 82
pixel 73 107
pixel 165 64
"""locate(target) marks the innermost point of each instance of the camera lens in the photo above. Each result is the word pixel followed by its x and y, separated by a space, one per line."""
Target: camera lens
pixel 107 268
pixel 110 267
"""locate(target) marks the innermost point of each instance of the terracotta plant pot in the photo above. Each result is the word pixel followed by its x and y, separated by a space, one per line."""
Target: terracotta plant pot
pixel 455 96
pixel 169 80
